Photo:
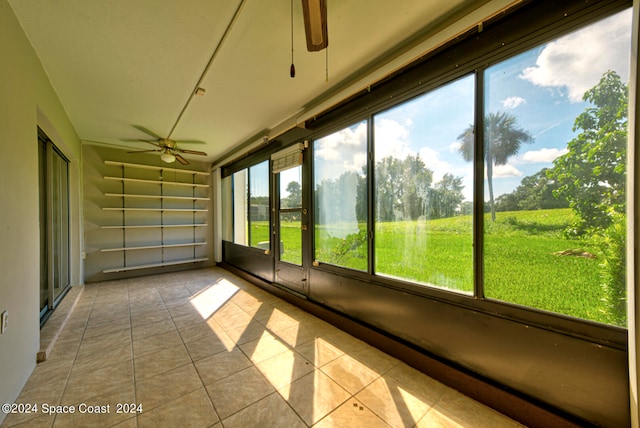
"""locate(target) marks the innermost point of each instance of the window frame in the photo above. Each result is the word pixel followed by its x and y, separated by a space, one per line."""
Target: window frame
pixel 529 25
pixel 234 214
pixel 229 174
pixel 472 53
pixel 356 273
pixel 249 195
pixel 372 165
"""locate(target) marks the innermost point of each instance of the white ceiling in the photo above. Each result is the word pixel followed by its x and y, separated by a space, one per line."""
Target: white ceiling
pixel 119 63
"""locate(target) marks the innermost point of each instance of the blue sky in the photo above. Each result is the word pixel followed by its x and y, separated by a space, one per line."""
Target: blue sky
pixel 542 88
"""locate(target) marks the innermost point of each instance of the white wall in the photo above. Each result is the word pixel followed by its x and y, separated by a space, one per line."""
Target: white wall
pixel 27 100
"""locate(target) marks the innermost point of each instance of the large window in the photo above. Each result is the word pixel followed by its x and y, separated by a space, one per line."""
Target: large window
pixel 259 205
pixel 505 182
pixel 340 189
pixel 424 189
pixel 251 206
pixel 555 169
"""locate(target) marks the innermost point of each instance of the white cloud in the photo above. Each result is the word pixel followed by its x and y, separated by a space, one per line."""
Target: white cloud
pixel 332 147
pixel 542 155
pixel 454 147
pixel 502 171
pixel 577 61
pixel 434 163
pixel 342 151
pixel 356 163
pixel 392 139
pixel 513 102
pixel 327 152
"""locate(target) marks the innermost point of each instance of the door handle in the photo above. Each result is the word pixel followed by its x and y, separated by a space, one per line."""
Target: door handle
pixel 304 227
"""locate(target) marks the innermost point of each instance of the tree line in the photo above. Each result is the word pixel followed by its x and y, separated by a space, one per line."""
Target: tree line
pixel 589 178
pixel 404 190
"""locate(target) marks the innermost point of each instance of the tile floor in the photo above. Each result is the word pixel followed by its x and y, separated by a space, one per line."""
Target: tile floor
pixel 204 348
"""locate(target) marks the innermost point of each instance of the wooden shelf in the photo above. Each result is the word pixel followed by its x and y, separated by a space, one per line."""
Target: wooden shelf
pixel 155 225
pixel 183 198
pixel 150 241
pixel 152 265
pixel 139 180
pixel 148 247
pixel 156 168
pixel 185 210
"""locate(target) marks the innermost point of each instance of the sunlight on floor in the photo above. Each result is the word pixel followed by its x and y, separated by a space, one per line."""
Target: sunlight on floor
pixel 415 406
pixel 209 300
pixel 208 344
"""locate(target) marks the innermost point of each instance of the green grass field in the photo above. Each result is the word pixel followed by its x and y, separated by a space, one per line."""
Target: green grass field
pixel 521 260
pixel 523 264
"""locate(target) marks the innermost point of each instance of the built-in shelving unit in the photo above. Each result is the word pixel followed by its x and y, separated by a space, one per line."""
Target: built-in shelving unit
pixel 169 183
pixel 148 247
pixel 186 198
pixel 154 226
pixel 152 265
pixel 187 210
pixel 160 213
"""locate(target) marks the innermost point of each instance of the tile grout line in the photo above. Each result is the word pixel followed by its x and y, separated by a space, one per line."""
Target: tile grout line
pixel 254 365
pixel 86 324
pixel 133 355
pixel 277 391
pixel 164 302
pixel 187 349
pixel 204 387
pixel 94 297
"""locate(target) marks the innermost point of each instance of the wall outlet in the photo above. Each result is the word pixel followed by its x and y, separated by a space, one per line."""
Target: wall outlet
pixel 4 318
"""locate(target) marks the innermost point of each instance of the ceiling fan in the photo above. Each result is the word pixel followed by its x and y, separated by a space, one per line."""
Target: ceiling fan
pixel 168 147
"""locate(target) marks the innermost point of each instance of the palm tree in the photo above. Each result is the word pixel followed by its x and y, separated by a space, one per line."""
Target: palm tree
pixel 502 139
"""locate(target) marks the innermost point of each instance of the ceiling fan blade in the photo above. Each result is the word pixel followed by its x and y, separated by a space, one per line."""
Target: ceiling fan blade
pixel 190 152
pixel 146 151
pixel 138 140
pixel 180 159
pixel 147 131
pixel 189 142
pixel 315 24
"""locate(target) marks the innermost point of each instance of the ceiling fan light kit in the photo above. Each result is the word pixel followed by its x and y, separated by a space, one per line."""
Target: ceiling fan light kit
pixel 167 157
pixel 168 148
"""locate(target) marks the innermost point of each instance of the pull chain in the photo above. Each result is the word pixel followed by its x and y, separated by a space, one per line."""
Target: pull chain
pixel 292 69
pixel 326 64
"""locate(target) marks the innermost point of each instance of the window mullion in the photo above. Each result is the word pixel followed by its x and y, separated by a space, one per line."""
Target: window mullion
pixel 370 192
pixel 249 241
pixel 478 189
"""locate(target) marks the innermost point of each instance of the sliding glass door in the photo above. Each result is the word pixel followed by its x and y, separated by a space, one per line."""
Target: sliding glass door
pixel 54 224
